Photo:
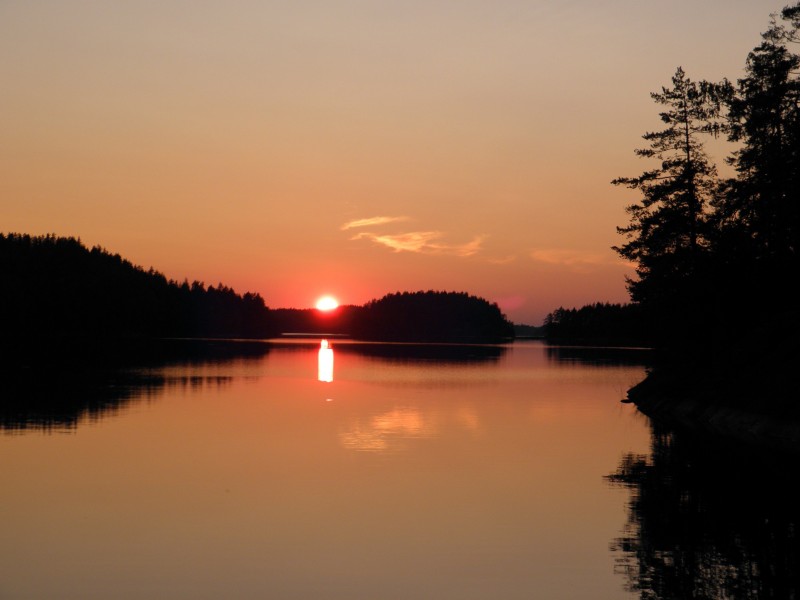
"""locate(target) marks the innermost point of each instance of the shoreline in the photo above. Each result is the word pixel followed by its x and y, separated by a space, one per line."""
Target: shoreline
pixel 756 430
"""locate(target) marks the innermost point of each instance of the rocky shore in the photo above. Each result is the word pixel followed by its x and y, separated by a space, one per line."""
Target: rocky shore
pixel 748 389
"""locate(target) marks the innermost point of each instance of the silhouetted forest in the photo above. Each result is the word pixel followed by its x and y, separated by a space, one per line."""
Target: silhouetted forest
pixel 522 331
pixel 80 300
pixel 408 317
pixel 338 321
pixel 713 252
pixel 715 256
pixel 599 323
pixel 57 287
pixel 432 317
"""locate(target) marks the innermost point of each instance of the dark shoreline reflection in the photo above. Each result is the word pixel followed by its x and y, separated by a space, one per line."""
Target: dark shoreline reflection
pixel 399 352
pixel 56 403
pixel 597 355
pixel 58 395
pixel 442 353
pixel 709 520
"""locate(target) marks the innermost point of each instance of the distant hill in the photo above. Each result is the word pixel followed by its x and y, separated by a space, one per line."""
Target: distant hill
pixel 598 324
pixel 528 331
pixel 55 287
pixel 338 321
pixel 432 317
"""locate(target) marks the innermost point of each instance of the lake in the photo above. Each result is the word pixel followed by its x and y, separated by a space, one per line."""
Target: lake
pixel 372 471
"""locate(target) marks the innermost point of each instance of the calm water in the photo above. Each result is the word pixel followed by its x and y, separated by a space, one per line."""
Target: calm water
pixel 436 472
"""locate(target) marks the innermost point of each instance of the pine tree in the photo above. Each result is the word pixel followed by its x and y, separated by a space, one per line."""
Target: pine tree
pixel 666 236
pixel 763 201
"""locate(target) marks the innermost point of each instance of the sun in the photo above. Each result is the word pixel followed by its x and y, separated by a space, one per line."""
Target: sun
pixel 327 303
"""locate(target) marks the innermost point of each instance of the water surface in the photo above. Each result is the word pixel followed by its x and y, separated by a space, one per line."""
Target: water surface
pixel 418 472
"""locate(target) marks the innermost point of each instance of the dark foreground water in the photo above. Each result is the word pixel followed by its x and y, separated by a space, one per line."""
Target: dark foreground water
pixel 417 472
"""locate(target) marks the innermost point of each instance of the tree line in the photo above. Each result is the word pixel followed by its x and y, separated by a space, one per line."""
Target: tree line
pixel 714 253
pixel 711 250
pixel 598 323
pixel 57 287
pixel 432 316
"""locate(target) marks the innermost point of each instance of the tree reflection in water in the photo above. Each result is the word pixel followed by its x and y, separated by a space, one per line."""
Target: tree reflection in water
pixel 708 521
pixel 62 390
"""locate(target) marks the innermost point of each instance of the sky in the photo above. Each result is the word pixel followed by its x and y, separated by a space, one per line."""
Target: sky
pixel 353 148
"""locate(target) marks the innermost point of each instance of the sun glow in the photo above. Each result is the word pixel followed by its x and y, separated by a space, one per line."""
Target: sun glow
pixel 327 303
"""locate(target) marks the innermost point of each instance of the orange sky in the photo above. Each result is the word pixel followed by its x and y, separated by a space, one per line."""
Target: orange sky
pixel 354 148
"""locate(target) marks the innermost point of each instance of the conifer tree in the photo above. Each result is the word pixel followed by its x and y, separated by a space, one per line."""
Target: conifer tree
pixel 763 201
pixel 667 234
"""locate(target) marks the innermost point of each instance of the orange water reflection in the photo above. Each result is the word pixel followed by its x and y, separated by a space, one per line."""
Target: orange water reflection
pixel 325 362
pixel 482 479
pixel 387 430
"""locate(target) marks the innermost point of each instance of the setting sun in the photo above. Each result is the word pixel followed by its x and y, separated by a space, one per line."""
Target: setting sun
pixel 327 303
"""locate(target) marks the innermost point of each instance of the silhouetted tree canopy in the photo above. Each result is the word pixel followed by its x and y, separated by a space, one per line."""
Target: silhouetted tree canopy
pixel 717 258
pixel 56 287
pixel 338 321
pixel 432 317
pixel 599 323
pixel 710 252
pixel 667 236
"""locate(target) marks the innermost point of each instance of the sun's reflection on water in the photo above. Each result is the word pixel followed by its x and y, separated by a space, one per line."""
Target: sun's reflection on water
pixel 325 362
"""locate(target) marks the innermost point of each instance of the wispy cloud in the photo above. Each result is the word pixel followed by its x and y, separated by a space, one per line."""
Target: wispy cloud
pixel 371 221
pixel 424 242
pixel 413 241
pixel 421 242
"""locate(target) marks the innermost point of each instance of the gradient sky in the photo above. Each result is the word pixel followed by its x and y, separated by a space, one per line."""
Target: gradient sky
pixel 353 148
